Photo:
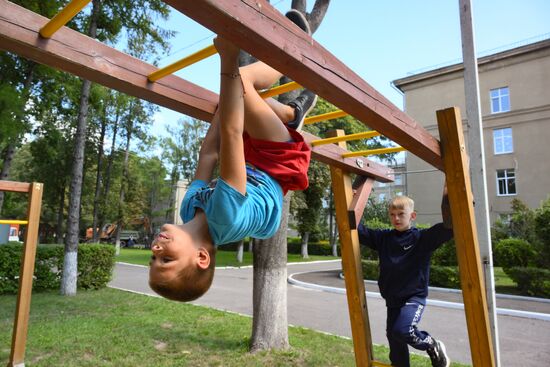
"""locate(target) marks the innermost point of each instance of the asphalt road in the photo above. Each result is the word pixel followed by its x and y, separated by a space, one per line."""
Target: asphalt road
pixel 524 341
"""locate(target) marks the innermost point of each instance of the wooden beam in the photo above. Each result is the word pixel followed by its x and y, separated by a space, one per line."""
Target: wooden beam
pixel 351 263
pixel 87 58
pixel 12 186
pixel 465 235
pixel 263 31
pixel 75 53
pixel 21 320
pixel 362 188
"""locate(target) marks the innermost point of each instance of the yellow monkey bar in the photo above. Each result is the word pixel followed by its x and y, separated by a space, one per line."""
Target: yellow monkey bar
pixel 13 221
pixel 66 14
pixel 363 153
pixel 280 89
pixel 325 116
pixel 185 62
pixel 337 139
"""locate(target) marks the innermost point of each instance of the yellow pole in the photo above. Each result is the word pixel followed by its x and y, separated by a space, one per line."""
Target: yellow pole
pixel 325 116
pixel 280 89
pixel 13 221
pixel 63 17
pixel 185 62
pixel 357 136
pixel 363 153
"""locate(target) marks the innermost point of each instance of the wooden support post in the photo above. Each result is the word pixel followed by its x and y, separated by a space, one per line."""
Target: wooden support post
pixel 351 263
pixel 21 321
pixel 459 189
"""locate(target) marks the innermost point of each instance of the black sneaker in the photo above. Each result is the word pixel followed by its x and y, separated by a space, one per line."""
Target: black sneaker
pixel 438 355
pixel 299 19
pixel 302 105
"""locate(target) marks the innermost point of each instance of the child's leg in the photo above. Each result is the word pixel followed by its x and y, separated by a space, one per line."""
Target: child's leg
pixel 263 119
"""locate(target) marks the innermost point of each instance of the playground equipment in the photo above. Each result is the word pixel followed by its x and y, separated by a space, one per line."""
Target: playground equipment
pixel 21 320
pixel 299 57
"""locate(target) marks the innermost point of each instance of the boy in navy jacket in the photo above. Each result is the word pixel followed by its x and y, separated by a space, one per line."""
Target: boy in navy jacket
pixel 404 254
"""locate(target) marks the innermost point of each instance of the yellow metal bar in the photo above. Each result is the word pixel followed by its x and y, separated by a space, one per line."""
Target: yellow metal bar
pixel 380 364
pixel 63 17
pixel 363 135
pixel 325 116
pixel 13 221
pixel 280 89
pixel 183 63
pixel 363 153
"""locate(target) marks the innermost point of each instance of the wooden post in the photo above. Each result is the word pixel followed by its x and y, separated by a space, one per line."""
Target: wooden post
pixel 21 322
pixel 457 174
pixel 351 263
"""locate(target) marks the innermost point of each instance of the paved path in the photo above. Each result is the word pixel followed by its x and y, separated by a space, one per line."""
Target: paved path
pixel 524 342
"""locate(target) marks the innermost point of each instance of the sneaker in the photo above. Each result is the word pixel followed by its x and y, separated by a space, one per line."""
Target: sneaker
pixel 299 19
pixel 438 355
pixel 303 104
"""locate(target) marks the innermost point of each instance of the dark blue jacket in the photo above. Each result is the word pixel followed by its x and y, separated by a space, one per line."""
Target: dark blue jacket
pixel 404 260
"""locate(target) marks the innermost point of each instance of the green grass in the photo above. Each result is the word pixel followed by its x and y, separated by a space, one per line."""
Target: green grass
pixel 116 328
pixel 223 258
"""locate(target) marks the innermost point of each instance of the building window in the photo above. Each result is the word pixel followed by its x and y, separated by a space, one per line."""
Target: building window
pixel 500 100
pixel 398 180
pixel 503 141
pixel 506 182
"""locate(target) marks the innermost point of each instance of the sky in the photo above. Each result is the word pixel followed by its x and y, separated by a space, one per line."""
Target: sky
pixel 382 41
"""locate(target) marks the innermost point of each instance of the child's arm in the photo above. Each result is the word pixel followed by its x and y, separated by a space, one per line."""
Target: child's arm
pixel 208 156
pixel 231 110
pixel 446 209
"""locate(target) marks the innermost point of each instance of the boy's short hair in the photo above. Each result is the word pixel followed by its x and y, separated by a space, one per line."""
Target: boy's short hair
pixel 189 284
pixel 401 202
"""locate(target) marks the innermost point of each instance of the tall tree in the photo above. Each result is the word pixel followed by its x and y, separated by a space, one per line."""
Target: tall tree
pixel 270 320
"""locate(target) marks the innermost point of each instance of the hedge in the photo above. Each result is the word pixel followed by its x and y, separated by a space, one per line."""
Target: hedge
pixel 95 266
pixel 534 282
pixel 322 248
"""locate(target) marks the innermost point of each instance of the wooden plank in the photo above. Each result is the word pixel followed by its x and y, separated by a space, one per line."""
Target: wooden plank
pixel 13 186
pixel 21 321
pixel 465 235
pixel 362 188
pixel 75 53
pixel 351 263
pixel 263 31
pixel 87 58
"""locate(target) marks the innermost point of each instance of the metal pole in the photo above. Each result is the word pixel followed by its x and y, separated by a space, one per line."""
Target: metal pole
pixel 477 162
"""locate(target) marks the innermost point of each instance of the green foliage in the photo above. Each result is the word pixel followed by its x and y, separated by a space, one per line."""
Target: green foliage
pixel 371 270
pixel 520 224
pixel 513 252
pixel 445 255
pixel 542 228
pixel 95 266
pixel 322 248
pixel 533 282
pixel 444 276
pixel 376 213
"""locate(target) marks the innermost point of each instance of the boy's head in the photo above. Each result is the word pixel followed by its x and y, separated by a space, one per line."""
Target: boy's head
pixel 179 269
pixel 401 211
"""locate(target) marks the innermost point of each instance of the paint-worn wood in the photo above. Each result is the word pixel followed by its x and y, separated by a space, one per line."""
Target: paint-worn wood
pixel 75 53
pixel 21 320
pixel 13 186
pixel 465 235
pixel 351 263
pixel 263 31
pixel 362 188
pixel 85 57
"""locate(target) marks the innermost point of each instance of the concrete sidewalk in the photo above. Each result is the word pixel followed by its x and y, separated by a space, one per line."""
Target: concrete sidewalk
pixel 523 342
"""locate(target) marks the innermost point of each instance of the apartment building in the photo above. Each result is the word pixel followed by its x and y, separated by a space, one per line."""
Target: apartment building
pixel 515 107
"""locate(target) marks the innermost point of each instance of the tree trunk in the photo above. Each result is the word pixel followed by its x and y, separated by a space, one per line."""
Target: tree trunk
pixel 332 227
pixel 305 240
pixel 269 300
pixel 99 179
pixel 8 158
pixel 240 248
pixel 60 211
pixel 70 261
pixel 270 322
pixel 123 187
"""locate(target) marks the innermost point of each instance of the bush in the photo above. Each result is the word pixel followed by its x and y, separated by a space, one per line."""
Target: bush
pixel 444 276
pixel 322 248
pixel 533 282
pixel 445 255
pixel 371 269
pixel 95 266
pixel 513 252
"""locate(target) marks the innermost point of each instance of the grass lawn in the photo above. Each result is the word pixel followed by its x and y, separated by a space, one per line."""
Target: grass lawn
pixel 116 328
pixel 223 258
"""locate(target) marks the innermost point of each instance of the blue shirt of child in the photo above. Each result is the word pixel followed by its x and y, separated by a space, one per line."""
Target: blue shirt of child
pixel 404 260
pixel 232 216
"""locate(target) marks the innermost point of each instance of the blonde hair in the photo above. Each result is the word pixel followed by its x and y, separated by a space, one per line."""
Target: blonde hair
pixel 189 284
pixel 401 202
